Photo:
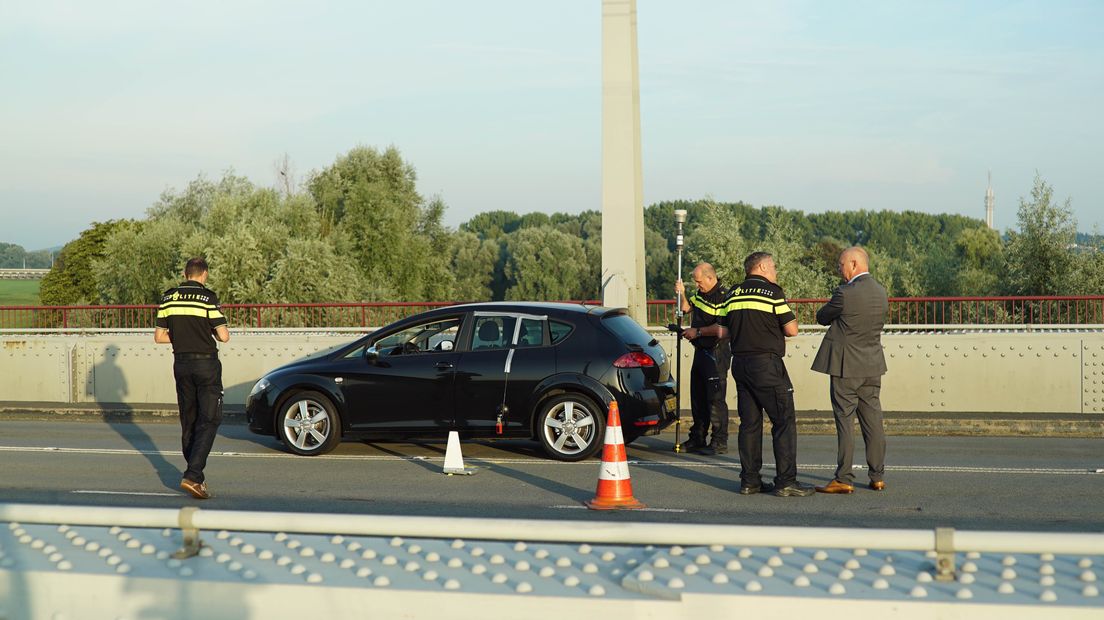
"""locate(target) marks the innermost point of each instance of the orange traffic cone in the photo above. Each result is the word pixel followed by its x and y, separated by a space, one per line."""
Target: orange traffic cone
pixel 614 486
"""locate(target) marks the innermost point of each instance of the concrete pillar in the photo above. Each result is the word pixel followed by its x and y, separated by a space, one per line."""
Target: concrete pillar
pixel 623 282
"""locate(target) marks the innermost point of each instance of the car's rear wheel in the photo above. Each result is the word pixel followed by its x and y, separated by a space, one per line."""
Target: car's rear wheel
pixel 308 424
pixel 570 427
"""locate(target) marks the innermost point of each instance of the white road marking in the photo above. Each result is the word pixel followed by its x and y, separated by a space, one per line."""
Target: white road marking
pixel 574 507
pixel 683 463
pixel 91 492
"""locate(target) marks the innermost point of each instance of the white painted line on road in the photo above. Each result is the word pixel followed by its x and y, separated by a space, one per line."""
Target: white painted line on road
pixel 87 492
pixel 573 507
pixel 683 463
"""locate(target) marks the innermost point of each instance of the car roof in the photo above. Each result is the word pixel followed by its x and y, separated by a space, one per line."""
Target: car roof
pixel 530 307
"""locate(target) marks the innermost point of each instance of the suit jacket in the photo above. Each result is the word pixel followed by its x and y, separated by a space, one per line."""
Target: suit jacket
pixel 855 316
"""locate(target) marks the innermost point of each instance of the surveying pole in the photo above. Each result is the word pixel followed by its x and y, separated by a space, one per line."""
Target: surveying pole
pixel 680 219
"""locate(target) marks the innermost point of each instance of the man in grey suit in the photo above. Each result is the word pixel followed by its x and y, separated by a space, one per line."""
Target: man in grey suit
pixel 851 353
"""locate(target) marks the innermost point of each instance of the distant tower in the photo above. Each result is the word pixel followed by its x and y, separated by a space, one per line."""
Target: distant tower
pixel 989 200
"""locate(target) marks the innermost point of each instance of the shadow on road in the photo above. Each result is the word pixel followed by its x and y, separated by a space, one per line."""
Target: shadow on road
pixel 111 390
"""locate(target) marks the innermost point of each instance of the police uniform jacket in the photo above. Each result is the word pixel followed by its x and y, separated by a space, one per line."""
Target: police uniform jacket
pixel 707 309
pixel 755 312
pixel 191 312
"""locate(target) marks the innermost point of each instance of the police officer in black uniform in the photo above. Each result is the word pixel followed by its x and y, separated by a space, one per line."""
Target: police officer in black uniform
pixel 191 319
pixel 757 320
pixel 709 373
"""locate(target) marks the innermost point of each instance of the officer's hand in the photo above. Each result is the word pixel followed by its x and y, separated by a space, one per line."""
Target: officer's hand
pixel 679 288
pixel 690 333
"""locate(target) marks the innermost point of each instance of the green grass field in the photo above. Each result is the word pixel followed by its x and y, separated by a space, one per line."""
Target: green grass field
pixel 19 292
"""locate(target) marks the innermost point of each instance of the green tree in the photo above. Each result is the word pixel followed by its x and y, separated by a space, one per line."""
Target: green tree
pixel 72 281
pixel 1088 269
pixel 545 264
pixel 717 239
pixel 1039 257
pixel 39 259
pixel 398 242
pixel 799 276
pixel 587 226
pixel 192 204
pixel 140 261
pixel 11 256
pixel 897 271
pixel 980 259
pixel 473 261
pixel 660 268
pixel 492 224
pixel 310 270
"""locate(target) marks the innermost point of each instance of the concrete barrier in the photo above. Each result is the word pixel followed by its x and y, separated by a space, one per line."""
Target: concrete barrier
pixel 978 371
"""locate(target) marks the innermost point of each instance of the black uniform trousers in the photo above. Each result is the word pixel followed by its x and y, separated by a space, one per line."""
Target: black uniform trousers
pixel 199 397
pixel 762 384
pixel 708 384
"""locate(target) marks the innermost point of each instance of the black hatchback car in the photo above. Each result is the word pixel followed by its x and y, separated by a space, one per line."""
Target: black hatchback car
pixel 544 371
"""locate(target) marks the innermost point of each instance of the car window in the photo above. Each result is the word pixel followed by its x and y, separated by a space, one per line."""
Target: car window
pixel 559 330
pixel 434 336
pixel 628 330
pixel 492 332
pixel 531 333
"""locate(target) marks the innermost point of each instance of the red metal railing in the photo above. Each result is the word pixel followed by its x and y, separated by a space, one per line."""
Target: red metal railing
pixel 1038 310
pixel 1082 310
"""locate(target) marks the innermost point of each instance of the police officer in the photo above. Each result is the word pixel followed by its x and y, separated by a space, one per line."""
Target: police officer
pixel 191 319
pixel 758 320
pixel 709 373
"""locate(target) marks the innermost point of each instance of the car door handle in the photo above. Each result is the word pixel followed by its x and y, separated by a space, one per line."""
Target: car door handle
pixel 444 365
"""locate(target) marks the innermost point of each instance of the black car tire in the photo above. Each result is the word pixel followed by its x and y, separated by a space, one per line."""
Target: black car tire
pixel 570 427
pixel 308 424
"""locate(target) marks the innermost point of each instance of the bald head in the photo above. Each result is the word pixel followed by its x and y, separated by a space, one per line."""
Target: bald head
pixel 853 261
pixel 705 277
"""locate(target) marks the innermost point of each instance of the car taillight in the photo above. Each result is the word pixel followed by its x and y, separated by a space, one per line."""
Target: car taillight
pixel 634 359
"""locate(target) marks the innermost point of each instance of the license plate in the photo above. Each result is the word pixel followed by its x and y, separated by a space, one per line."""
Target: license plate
pixel 671 403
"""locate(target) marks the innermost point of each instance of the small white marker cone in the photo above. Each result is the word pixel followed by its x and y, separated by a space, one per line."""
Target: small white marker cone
pixel 454 460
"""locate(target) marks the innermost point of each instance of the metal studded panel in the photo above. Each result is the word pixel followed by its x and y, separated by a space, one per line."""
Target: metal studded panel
pixel 34 369
pixel 530 573
pixel 1044 371
pixel 1093 376
pixel 133 369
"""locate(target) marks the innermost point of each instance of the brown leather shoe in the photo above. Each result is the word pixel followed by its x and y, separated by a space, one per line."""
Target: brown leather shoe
pixel 877 485
pixel 836 486
pixel 197 490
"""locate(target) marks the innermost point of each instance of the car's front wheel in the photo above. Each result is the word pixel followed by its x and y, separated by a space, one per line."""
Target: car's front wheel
pixel 570 427
pixel 309 424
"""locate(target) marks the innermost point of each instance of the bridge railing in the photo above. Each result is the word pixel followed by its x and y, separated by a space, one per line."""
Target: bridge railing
pixel 1037 310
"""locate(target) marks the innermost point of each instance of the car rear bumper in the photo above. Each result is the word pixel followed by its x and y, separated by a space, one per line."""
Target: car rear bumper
pixel 649 411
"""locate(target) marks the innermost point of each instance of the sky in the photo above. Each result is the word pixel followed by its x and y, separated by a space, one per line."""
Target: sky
pixel 814 106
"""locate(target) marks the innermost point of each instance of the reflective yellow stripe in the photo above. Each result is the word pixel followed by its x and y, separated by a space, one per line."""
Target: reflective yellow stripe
pixel 215 314
pixel 781 309
pixel 705 306
pixel 766 300
pixel 750 305
pixel 178 311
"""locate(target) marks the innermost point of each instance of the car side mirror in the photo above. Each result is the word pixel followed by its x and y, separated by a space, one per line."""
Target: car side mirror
pixel 446 345
pixel 371 354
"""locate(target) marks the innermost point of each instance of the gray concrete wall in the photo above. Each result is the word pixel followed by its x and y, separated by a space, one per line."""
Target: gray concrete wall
pixel 1030 372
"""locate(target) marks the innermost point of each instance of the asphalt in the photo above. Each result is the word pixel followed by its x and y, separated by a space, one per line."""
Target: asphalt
pixel 933 424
